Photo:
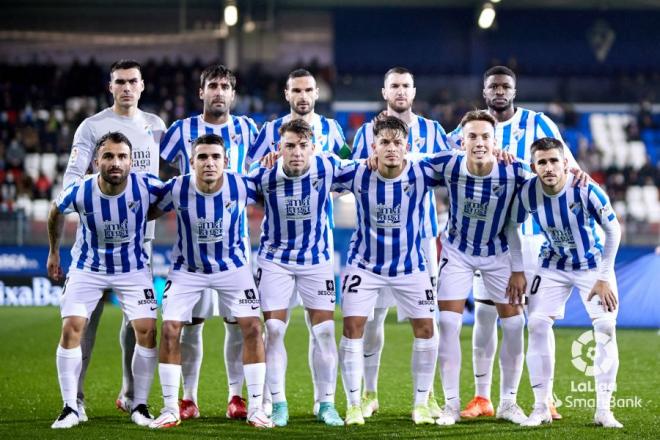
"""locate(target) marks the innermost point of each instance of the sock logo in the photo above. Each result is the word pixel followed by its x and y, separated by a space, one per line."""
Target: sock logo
pixel 583 353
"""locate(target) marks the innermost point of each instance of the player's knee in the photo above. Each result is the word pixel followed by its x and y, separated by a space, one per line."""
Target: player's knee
pixel 251 329
pixel 171 331
pixel 606 326
pixel 539 326
pixel 514 323
pixel 145 333
pixel 275 329
pixel 324 331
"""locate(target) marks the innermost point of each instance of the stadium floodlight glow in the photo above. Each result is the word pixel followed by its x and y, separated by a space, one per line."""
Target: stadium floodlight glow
pixel 231 14
pixel 495 1
pixel 486 17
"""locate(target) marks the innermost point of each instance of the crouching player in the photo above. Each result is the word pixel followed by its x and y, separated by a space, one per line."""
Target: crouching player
pixel 108 254
pixel 209 254
pixel 386 251
pixel 481 191
pixel 573 256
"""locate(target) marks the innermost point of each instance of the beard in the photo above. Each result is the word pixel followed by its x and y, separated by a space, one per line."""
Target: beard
pixel 299 112
pixel 114 179
pixel 399 108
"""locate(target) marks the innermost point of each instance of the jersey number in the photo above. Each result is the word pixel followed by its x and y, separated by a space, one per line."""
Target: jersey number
pixel 443 263
pixel 535 285
pixel 356 280
pixel 257 278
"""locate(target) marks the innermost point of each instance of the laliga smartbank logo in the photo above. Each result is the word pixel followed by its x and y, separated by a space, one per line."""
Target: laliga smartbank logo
pixel 583 357
pixel 583 353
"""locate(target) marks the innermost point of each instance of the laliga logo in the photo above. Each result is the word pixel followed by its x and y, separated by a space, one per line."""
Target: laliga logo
pixel 583 353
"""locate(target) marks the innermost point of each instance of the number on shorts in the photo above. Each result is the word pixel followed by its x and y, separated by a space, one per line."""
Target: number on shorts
pixel 352 287
pixel 257 278
pixel 535 285
pixel 66 280
pixel 443 263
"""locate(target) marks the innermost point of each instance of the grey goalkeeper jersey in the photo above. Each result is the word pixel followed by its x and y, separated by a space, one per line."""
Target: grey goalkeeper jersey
pixel 143 129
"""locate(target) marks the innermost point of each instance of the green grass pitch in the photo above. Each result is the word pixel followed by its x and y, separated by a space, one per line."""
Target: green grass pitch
pixel 30 398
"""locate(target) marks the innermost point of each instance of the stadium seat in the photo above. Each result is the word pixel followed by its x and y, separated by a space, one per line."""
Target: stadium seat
pixel 49 165
pixel 40 210
pixel 32 164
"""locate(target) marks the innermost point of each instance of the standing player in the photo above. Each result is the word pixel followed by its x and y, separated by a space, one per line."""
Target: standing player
pixel 424 136
pixel 386 250
pixel 217 89
pixel 296 254
pixel 210 253
pixel 108 253
pixel 573 256
pixel 301 93
pixel 144 131
pixel 480 195
pixel 517 128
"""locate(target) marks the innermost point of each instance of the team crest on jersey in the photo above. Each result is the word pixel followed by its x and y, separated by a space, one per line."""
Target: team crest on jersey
pixel 230 206
pixel 149 130
pixel 575 207
pixel 134 206
pixel 475 209
pixel 298 208
pixel 236 139
pixel 517 134
pixel 419 143
pixel 320 141
pixel 562 237
pixel 209 230
pixel 388 216
pixel 498 190
pixel 316 184
pixel 408 189
pixel 115 232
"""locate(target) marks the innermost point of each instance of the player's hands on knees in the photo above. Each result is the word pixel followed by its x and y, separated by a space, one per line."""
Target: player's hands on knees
pixel 515 291
pixel 607 297
pixel 504 156
pixel 581 177
pixel 371 163
pixel 53 265
pixel 268 161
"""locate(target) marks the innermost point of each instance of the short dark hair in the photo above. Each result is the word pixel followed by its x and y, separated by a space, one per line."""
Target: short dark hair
pixel 208 139
pixel 297 126
pixel 125 64
pixel 400 70
pixel 547 144
pixel 116 137
pixel 499 70
pixel 298 73
pixel 390 123
pixel 217 71
pixel 478 115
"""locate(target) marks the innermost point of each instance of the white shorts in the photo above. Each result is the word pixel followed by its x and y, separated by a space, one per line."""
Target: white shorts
pixel 531 248
pixel 236 291
pixel 430 249
pixel 83 290
pixel 279 282
pixel 457 270
pixel 414 295
pixel 550 289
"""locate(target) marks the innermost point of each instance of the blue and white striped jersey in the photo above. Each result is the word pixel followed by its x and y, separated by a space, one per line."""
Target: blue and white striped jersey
pixel 328 137
pixel 239 132
pixel 112 228
pixel 424 136
pixel 517 136
pixel 208 225
pixel 387 238
pixel 296 225
pixel 478 205
pixel 568 221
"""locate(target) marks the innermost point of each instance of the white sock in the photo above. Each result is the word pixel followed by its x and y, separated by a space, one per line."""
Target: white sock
pixel 69 363
pixel 276 359
pixel 312 346
pixel 144 366
pixel 511 356
pixel 170 376
pixel 606 361
pixel 551 340
pixel 374 340
pixel 192 352
pixel 234 359
pixel 424 356
pixel 484 346
pixel 325 360
pixel 539 359
pixel 255 377
pixel 352 366
pixel 449 356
